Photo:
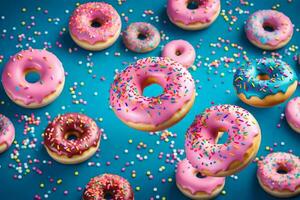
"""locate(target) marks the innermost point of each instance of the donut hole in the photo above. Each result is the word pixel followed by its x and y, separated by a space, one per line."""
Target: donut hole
pixel 108 196
pixel 263 77
pixel 150 88
pixel 32 76
pixel 72 135
pixel 268 27
pixel 194 4
pixel 142 36
pixel 178 52
pixel 199 175
pixel 96 23
pixel 222 137
pixel 282 170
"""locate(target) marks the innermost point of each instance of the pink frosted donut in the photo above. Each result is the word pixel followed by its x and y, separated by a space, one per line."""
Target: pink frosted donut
pixel 141 37
pixel 292 113
pixel 38 94
pixel 7 133
pixel 214 159
pixel 191 183
pixel 152 113
pixel 279 174
pixel 180 51
pixel 269 29
pixel 201 16
pixel 95 25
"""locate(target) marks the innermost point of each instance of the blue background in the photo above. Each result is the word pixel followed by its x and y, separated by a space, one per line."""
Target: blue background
pixel 212 87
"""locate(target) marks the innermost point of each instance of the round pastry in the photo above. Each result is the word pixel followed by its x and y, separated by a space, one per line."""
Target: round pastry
pixel 269 29
pixel 141 37
pixel 278 174
pixel 180 51
pixel 37 94
pixel 214 159
pixel 193 14
pixel 196 186
pixel 265 82
pixel 108 186
pixel 152 113
pixel 292 113
pixel 72 138
pixel 95 26
pixel 7 133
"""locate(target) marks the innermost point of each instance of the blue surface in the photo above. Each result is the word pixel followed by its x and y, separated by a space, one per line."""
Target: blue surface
pixel 212 87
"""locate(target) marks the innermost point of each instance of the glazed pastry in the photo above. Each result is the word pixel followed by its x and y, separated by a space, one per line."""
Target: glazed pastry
pixel 152 113
pixel 265 82
pixel 114 186
pixel 40 93
pixel 269 29
pixel 180 51
pixel 72 138
pixel 201 16
pixel 278 174
pixel 7 133
pixel 141 37
pixel 292 113
pixel 196 186
pixel 95 26
pixel 213 159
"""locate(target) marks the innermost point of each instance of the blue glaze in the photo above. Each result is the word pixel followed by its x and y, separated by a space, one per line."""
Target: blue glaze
pixel 280 74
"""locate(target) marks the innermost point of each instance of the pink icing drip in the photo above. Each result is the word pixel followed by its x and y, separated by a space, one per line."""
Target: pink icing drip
pixel 187 52
pixel 186 178
pixel 7 131
pixel 267 171
pixel 126 91
pixel 201 149
pixel 80 22
pixel 292 112
pixel 45 63
pixel 177 10
pixel 280 22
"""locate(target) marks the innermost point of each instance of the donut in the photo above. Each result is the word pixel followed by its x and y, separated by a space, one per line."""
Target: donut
pixel 292 114
pixel 141 37
pixel 152 113
pixel 108 186
pixel 265 82
pixel 7 133
pixel 40 93
pixel 269 29
pixel 95 26
pixel 196 186
pixel 72 138
pixel 214 159
pixel 278 174
pixel 180 51
pixel 193 14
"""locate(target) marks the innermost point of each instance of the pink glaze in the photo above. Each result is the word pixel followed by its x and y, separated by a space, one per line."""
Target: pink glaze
pixel 45 63
pixel 7 132
pixel 201 148
pixel 180 51
pixel 126 92
pixel 178 12
pixel 187 179
pixel 292 112
pixel 83 16
pixel 268 175
pixel 282 25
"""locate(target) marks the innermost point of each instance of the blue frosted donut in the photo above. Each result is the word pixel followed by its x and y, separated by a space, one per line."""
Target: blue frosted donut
pixel 265 82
